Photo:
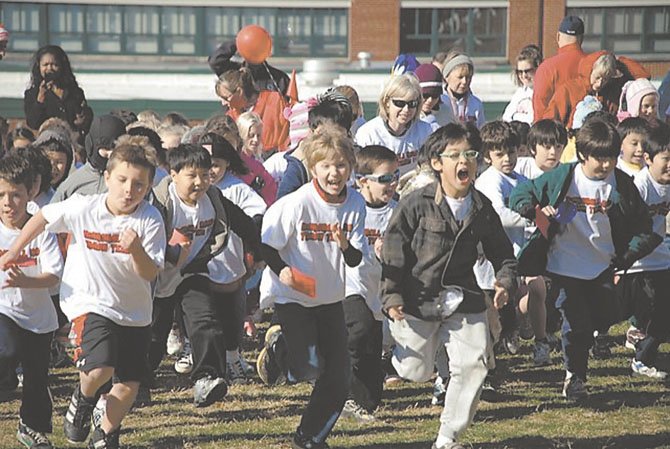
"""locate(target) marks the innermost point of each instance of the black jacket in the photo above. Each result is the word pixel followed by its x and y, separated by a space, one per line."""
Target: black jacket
pixel 66 108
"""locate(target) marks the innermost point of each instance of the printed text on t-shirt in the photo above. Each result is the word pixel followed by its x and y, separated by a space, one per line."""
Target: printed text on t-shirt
pixel 322 232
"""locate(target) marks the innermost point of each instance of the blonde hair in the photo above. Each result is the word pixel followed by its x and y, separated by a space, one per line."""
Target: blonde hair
pixel 135 150
pixel 244 123
pixel 171 130
pixel 328 141
pixel 605 66
pixel 149 119
pixel 238 79
pixel 403 85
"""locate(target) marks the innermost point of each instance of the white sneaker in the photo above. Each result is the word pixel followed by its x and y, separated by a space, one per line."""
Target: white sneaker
pixel 353 410
pixel 99 411
pixel 175 343
pixel 640 369
pixel 184 364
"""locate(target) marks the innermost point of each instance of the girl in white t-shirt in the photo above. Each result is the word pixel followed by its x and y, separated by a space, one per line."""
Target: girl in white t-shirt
pixel 520 106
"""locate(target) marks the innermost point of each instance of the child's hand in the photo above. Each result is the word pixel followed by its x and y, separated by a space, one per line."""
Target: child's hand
pixel 7 259
pixel 129 241
pixel 549 211
pixel 396 313
pixel 501 297
pixel 286 277
pixel 378 246
pixel 339 236
pixel 16 278
pixel 183 253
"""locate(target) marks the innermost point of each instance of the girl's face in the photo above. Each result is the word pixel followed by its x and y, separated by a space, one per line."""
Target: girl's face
pixel 598 80
pixel 231 99
pixel 459 79
pixel 648 107
pixel 218 170
pixel 58 166
pixel 525 71
pixel 48 65
pixel 402 110
pixel 253 144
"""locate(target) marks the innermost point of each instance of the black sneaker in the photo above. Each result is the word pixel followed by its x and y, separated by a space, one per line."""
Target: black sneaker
pixel 31 438
pixel 77 422
pixel 208 390
pixel 302 442
pixel 102 440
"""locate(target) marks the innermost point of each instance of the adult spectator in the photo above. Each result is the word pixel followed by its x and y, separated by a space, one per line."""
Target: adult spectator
pixel 54 92
pixel 4 41
pixel 559 68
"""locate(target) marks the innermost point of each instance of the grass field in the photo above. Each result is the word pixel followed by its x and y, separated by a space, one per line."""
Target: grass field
pixel 527 412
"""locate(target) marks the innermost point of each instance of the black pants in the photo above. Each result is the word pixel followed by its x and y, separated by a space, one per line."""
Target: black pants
pixel 316 338
pixel 586 306
pixel 364 342
pixel 646 296
pixel 233 306
pixel 32 350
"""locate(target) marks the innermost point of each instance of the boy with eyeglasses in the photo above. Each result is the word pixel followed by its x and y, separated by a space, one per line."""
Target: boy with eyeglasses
pixel 377 177
pixel 428 287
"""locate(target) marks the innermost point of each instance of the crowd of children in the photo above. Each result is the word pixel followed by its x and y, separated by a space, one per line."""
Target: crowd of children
pixel 427 234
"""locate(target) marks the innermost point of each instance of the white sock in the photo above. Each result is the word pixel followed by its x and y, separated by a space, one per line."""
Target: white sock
pixel 442 441
pixel 232 356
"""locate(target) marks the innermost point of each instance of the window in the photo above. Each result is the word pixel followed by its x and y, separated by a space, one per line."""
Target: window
pixel 626 30
pixel 66 25
pixel 478 31
pixel 104 25
pixel 23 21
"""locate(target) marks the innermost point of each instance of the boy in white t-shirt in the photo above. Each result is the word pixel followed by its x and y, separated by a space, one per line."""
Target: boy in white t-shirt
pixel 117 249
pixel 633 132
pixel 596 223
pixel 546 140
pixel 308 236
pixel 645 286
pixel 377 177
pixel 27 315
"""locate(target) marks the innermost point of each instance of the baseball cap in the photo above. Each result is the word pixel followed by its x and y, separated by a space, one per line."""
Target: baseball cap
pixel 572 25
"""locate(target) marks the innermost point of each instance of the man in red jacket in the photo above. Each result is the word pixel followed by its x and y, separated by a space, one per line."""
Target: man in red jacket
pixel 561 67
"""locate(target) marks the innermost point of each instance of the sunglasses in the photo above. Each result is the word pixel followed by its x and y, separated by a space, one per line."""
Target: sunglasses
pixel 455 155
pixel 412 104
pixel 433 96
pixel 524 71
pixel 386 178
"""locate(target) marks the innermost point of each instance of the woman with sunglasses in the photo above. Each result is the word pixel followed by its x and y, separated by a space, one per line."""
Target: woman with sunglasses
pixel 520 107
pixel 430 80
pixel 398 126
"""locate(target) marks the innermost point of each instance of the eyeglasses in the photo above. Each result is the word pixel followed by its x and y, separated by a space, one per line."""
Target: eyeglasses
pixel 455 155
pixel 386 178
pixel 433 96
pixel 412 104
pixel 524 71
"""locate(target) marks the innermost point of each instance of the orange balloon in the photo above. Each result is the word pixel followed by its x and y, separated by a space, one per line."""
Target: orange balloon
pixel 254 44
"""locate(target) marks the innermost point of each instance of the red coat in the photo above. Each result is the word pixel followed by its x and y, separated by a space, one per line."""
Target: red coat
pixel 553 72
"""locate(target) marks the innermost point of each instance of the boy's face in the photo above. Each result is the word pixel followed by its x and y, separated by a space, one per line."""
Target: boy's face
pixel 127 185
pixel 58 166
pixel 659 167
pixel 332 174
pixel 631 149
pixel 457 167
pixel 548 157
pixel 13 201
pixel 218 170
pixel 598 167
pixel 503 160
pixel 191 183
pixel 459 79
pixel 648 107
pixel 375 188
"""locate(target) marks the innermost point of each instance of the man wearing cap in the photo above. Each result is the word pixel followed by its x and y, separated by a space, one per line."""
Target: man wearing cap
pixel 561 67
pixel 4 40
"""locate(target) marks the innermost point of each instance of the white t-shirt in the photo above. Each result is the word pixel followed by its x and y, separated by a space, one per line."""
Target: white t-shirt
pixel 626 167
pixel 364 279
pixel 298 227
pixel 406 146
pixel 276 165
pixel 460 207
pixel 99 276
pixel 520 106
pixel 657 197
pixel 497 187
pixel 584 248
pixel 31 308
pixel 468 108
pixel 240 194
pixel 196 223
pixel 527 167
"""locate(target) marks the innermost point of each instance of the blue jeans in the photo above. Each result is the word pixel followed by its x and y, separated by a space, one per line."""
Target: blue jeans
pixel 316 339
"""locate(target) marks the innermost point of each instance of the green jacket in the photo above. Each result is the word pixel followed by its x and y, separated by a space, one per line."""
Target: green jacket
pixel 629 217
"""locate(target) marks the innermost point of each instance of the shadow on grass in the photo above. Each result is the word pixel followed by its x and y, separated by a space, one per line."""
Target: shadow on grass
pixel 657 441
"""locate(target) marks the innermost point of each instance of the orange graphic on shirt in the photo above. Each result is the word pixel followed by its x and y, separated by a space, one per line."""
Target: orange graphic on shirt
pixel 191 231
pixel 24 259
pixel 589 205
pixel 103 242
pixel 372 235
pixel 321 232
pixel 406 158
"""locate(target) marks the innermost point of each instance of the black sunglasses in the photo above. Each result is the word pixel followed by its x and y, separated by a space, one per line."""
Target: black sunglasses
pixel 433 96
pixel 412 104
pixel 524 72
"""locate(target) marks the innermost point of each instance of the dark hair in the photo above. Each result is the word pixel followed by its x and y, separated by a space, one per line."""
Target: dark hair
pixel 16 170
pixel 225 126
pixel 371 157
pixel 603 116
pixel 547 133
pixel 39 163
pixel 134 150
pixel 450 133
pixel 530 53
pixel 658 140
pixel 332 106
pixel 19 133
pixel 57 146
pixel 65 79
pixel 521 129
pixel 500 136
pixel 187 155
pixel 154 140
pixel 126 116
pixel 597 139
pixel 222 149
pixel 633 125
pixel 175 118
pixel 238 79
